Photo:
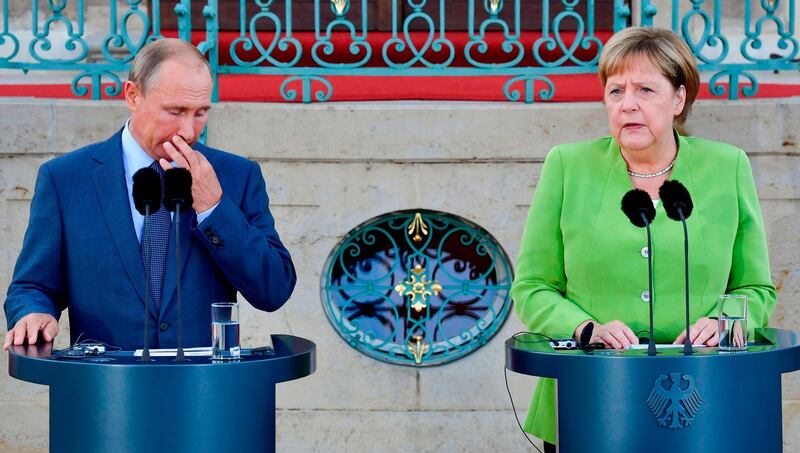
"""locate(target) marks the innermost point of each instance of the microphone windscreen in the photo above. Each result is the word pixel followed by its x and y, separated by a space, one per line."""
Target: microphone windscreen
pixel 146 190
pixel 586 335
pixel 674 195
pixel 177 188
pixel 635 202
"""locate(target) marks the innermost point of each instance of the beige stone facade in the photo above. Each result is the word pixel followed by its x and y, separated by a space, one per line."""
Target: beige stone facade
pixel 331 166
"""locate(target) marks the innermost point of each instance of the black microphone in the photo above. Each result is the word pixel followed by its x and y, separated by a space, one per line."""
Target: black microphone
pixel 177 194
pixel 678 205
pixel 637 205
pixel 586 336
pixel 147 200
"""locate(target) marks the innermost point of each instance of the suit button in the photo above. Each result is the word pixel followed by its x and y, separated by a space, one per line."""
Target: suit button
pixel 215 240
pixel 645 252
pixel 163 326
pixel 646 296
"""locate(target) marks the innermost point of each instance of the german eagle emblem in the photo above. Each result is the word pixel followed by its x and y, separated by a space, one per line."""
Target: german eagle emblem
pixel 674 400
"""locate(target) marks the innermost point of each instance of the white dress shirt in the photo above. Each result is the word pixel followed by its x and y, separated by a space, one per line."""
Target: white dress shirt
pixel 133 159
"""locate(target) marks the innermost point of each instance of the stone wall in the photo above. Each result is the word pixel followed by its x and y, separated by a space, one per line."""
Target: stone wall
pixel 331 166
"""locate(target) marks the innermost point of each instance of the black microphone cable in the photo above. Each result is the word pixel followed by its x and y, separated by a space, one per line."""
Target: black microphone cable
pixel 508 388
pixel 584 344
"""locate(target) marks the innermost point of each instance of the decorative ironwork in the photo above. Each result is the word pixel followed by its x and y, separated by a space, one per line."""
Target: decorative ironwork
pixel 529 82
pixel 418 288
pixel 434 53
pixel 674 400
pixel 120 35
pixel 552 40
pixel 325 47
pixel 511 39
pixel 711 35
pixel 417 302
pixel 422 40
pixel 418 226
pixel 75 46
pixel 290 94
pixel 417 348
pixel 784 29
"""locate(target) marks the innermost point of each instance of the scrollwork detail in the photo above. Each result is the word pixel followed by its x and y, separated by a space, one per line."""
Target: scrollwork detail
pixel 281 39
pixel 754 35
pixel 74 44
pixel 552 41
pixel 96 78
pixel 511 44
pixel 440 47
pixel 120 36
pixel 717 88
pixel 290 94
pixel 708 40
pixel 324 46
pixel 528 81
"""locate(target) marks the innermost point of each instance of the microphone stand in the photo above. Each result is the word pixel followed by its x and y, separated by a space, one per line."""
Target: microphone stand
pixel 179 356
pixel 651 346
pixel 148 271
pixel 687 342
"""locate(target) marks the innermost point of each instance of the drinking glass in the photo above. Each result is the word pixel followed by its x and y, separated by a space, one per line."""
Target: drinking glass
pixel 732 322
pixel 225 331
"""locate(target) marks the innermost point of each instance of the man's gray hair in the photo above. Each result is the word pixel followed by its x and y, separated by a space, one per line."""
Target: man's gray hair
pixel 144 69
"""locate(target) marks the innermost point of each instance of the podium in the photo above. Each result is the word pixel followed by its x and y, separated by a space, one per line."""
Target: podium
pixel 115 403
pixel 626 401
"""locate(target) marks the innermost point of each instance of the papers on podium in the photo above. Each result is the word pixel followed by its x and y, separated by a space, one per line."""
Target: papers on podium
pixel 188 352
pixel 664 346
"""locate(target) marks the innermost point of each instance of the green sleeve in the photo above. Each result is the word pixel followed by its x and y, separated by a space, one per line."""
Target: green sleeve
pixel 540 284
pixel 750 264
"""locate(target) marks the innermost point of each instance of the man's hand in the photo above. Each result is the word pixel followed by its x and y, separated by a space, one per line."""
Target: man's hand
pixel 206 190
pixel 704 331
pixel 29 326
pixel 613 334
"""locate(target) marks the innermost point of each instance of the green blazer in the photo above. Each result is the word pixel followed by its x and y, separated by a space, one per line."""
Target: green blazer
pixel 581 258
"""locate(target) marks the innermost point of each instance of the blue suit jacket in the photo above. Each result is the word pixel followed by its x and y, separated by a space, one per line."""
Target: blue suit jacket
pixel 80 252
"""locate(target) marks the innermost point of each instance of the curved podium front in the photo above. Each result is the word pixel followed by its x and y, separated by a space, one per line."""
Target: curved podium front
pixel 626 401
pixel 114 403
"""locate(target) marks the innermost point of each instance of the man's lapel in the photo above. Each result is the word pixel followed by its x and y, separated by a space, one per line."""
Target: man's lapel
pixel 112 191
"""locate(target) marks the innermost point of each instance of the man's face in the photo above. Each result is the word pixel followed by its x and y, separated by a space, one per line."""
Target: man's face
pixel 176 104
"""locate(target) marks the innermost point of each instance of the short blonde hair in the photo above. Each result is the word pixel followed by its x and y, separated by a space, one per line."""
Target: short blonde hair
pixel 145 66
pixel 661 47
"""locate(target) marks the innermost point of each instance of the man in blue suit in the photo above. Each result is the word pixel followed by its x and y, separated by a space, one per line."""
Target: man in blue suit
pixel 82 247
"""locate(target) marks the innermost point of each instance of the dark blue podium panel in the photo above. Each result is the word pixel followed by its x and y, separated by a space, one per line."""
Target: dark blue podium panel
pixel 115 403
pixel 626 401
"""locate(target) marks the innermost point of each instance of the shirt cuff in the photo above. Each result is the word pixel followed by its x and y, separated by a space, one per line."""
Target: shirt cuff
pixel 204 215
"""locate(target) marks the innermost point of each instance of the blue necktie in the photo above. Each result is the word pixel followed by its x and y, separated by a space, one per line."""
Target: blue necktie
pixel 160 225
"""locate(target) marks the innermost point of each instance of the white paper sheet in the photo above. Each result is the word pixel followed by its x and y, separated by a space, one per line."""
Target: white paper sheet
pixel 188 352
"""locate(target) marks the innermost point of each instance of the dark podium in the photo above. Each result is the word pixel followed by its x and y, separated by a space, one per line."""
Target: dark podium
pixel 114 403
pixel 628 402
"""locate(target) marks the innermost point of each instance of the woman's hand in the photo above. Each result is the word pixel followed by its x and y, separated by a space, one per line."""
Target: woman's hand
pixel 704 331
pixel 613 334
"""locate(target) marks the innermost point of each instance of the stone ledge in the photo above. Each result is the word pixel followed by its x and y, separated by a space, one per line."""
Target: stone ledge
pixel 396 131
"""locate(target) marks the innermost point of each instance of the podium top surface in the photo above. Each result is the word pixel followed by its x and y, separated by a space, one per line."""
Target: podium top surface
pixel 776 349
pixel 294 358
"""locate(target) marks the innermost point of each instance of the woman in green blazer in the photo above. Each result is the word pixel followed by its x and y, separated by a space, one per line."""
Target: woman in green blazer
pixel 581 260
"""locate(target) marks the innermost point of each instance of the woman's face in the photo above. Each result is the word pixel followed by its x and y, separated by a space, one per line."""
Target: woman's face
pixel 641 105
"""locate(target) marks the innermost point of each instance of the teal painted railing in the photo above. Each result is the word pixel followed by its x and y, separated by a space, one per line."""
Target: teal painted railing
pixel 493 39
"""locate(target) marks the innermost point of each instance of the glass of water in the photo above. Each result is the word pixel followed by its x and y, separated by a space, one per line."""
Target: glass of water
pixel 225 331
pixel 732 322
